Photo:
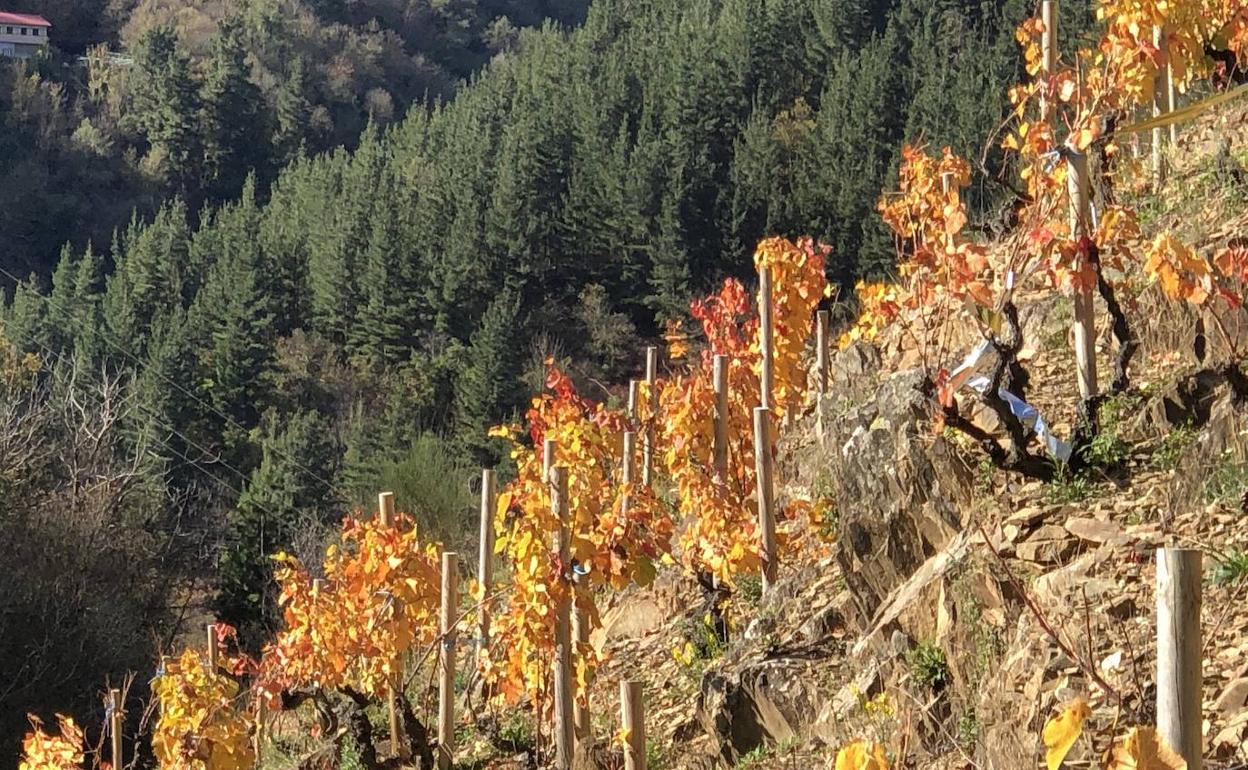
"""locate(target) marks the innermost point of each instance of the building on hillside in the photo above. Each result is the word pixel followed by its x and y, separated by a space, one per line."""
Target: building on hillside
pixel 22 35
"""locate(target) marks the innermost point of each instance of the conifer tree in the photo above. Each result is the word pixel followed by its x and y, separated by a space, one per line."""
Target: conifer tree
pixel 486 389
pixel 234 123
pixel 285 495
pixel 165 108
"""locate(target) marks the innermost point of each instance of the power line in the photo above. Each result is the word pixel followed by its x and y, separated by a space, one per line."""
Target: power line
pixel 54 357
pixel 308 471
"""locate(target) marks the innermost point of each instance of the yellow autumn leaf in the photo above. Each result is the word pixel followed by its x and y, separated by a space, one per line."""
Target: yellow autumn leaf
pixel 861 755
pixel 1061 732
pixel 1144 749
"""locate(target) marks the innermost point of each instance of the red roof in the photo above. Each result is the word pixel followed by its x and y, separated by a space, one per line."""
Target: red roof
pixel 23 18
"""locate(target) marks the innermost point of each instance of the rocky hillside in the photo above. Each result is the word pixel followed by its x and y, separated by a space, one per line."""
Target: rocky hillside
pixel 953 607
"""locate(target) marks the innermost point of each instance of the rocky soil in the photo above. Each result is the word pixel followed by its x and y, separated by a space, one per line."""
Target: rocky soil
pixel 955 606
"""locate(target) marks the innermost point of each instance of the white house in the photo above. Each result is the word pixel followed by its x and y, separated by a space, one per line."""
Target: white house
pixel 22 35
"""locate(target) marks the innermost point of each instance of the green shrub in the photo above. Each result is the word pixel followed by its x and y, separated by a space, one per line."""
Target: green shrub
pixel 750 588
pixel 1232 567
pixel 1067 487
pixel 1227 481
pixel 928 665
pixel 1108 449
pixel 434 485
pixel 1173 446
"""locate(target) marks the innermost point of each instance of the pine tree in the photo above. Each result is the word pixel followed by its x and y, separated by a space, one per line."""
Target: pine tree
pixel 485 389
pixel 234 122
pixel 293 113
pixel 165 108
pixel 286 495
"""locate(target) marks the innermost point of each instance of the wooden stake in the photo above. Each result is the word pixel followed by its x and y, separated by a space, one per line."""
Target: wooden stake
pixel 550 450
pixel 765 332
pixel 1161 90
pixel 397 746
pixel 213 647
pixel 720 378
pixel 1179 652
pixel 485 552
pixel 652 393
pixel 446 660
pixel 115 724
pixel 626 469
pixel 385 516
pixel 581 727
pixel 634 388
pixel 563 626
pixel 1171 100
pixel 385 509
pixel 1079 186
pixel 633 720
pixel 821 369
pixel 1048 50
pixel 257 738
pixel 765 492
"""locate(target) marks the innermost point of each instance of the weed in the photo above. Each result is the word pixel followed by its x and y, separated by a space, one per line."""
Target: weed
pixel 1150 209
pixel 1232 567
pixel 517 732
pixel 701 641
pixel 654 757
pixel 968 729
pixel 750 588
pixel 1067 487
pixel 1173 446
pixel 985 476
pixel 349 754
pixel 1108 450
pixel 928 665
pixel 754 759
pixel 1227 481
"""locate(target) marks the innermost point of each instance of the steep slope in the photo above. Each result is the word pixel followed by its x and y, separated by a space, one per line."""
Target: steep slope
pixel 958 606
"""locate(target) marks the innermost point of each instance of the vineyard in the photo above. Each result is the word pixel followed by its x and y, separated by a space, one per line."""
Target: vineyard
pixel 383 656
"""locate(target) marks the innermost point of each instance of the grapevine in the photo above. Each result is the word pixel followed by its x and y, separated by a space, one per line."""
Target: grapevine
pixel 380 599
pixel 610 546
pixel 43 751
pixel 720 534
pixel 203 724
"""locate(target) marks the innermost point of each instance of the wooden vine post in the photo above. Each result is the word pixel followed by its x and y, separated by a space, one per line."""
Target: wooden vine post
pixel 446 660
pixel 628 462
pixel 485 553
pixel 563 624
pixel 821 369
pixel 633 389
pixel 115 722
pixel 1171 99
pixel 550 448
pixel 1048 51
pixel 257 736
pixel 765 492
pixel 1179 651
pixel 385 516
pixel 581 727
pixel 720 379
pixel 652 394
pixel 213 648
pixel 1161 97
pixel 1079 186
pixel 633 720
pixel 765 334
